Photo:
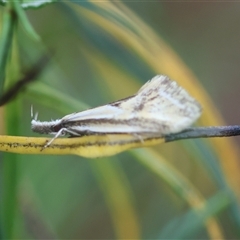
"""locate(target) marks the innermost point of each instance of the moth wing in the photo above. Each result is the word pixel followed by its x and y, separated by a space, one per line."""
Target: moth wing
pixel 160 107
pixel 102 112
pixel 165 104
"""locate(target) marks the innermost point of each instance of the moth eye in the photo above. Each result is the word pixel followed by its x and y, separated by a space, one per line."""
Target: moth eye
pixel 57 128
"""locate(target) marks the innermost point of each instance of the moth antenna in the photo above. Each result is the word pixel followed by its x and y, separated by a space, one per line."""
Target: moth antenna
pixel 32 115
pixel 31 111
pixel 36 116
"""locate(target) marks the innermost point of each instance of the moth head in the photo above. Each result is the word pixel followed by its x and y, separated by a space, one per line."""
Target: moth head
pixel 51 127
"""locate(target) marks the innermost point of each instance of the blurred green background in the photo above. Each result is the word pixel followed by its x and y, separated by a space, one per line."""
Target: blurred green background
pixel 101 52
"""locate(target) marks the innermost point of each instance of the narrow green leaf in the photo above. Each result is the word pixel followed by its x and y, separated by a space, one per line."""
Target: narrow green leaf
pixel 24 21
pixel 26 4
pixel 9 22
pixel 185 226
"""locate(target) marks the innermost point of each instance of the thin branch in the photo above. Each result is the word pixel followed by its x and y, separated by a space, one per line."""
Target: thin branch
pixel 205 132
pixel 30 76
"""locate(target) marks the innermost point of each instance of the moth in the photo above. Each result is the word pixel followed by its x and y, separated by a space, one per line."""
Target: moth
pixel 159 108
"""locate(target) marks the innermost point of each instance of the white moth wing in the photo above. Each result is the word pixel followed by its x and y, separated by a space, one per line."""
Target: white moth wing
pixel 103 119
pixel 161 106
pixel 102 112
pixel 164 103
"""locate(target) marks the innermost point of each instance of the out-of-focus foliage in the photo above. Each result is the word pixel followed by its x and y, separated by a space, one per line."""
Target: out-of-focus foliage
pixel 101 52
pixel 26 4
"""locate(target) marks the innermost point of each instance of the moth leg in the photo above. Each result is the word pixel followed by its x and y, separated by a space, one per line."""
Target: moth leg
pixel 138 137
pixel 59 133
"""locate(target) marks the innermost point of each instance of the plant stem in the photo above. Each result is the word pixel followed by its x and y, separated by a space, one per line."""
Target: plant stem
pixel 205 132
pixel 9 22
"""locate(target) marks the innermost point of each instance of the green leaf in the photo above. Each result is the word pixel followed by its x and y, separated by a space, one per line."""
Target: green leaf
pixel 8 24
pixel 184 226
pixel 26 4
pixel 24 21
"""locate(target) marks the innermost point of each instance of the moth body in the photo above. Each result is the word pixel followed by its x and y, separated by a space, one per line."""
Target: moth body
pixel 159 108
